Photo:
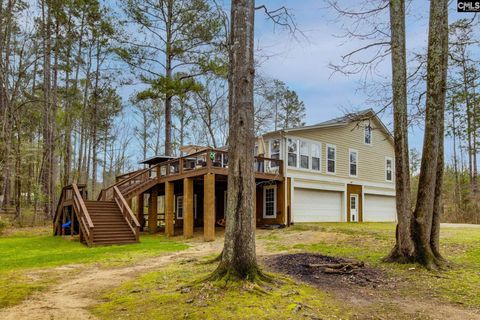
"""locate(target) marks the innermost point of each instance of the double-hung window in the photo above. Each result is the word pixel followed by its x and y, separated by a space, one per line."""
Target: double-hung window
pixel 316 153
pixel 304 155
pixel 368 134
pixel 179 210
pixel 270 201
pixel 292 152
pixel 388 169
pixel 331 158
pixel 353 162
pixel 275 149
pixel 274 152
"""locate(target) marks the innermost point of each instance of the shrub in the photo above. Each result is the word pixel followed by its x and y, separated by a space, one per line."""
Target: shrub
pixel 3 225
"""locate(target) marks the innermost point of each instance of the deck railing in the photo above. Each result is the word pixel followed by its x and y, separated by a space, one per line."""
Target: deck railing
pixel 83 217
pixel 126 212
pixel 134 179
pixel 205 159
pixel 65 197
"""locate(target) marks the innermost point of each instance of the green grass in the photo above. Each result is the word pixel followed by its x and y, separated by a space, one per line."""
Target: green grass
pixel 177 293
pixel 27 251
pixel 371 242
pixel 20 251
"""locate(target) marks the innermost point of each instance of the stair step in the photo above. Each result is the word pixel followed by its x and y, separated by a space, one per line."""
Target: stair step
pixel 114 238
pixel 105 212
pixel 107 243
pixel 113 235
pixel 119 227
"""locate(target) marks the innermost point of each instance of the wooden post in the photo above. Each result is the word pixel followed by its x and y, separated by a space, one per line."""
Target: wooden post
pixel 281 201
pixel 209 207
pixel 289 201
pixel 140 217
pixel 188 213
pixel 255 206
pixel 169 208
pixel 152 211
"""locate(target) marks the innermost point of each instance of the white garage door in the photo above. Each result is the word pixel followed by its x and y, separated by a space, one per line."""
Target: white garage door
pixel 312 205
pixel 379 208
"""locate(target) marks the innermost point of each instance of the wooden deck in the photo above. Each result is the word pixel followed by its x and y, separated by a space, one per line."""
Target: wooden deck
pixel 109 219
pixel 197 164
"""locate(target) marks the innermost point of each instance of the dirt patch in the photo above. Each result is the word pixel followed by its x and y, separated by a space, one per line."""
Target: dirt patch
pixel 72 298
pixel 326 271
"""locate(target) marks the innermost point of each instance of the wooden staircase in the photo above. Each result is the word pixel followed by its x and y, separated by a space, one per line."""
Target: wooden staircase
pixel 110 225
pixel 101 222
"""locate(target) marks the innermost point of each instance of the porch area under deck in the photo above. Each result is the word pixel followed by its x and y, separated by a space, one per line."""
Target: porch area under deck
pixel 190 193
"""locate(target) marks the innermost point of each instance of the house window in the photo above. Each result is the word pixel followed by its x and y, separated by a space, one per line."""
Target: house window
pixel 368 134
pixel 316 149
pixel 275 149
pixel 179 209
pixel 270 201
pixel 292 152
pixel 353 161
pixel 388 169
pixel 304 159
pixel 331 158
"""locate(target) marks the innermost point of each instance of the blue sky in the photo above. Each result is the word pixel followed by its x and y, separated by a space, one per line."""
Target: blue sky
pixel 303 64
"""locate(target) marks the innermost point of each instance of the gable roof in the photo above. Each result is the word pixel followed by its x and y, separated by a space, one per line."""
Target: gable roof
pixel 343 120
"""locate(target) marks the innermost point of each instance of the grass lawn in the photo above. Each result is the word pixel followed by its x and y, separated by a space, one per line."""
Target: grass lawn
pixel 27 254
pixel 176 291
pixel 174 294
pixel 414 293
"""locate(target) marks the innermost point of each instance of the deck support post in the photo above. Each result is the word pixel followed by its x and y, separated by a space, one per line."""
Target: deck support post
pixel 169 208
pixel 209 207
pixel 188 210
pixel 281 201
pixel 140 217
pixel 152 212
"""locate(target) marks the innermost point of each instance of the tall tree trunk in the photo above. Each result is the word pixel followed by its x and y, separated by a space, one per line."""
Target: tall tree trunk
pixel 168 75
pixel 95 122
pixel 404 247
pixel 458 195
pixel 428 208
pixel 47 123
pixel 239 258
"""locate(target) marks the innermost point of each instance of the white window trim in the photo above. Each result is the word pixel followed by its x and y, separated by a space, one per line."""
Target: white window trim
pixel 274 187
pixel 364 134
pixel 270 143
pixel 310 148
pixel 349 163
pixel 319 157
pixel 309 152
pixel 180 196
pixel 297 153
pixel 177 201
pixel 391 160
pixel 326 158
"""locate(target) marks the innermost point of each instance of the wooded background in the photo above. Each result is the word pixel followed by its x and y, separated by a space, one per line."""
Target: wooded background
pixel 65 66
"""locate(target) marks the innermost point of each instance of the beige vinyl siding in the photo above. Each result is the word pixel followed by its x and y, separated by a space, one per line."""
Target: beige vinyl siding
pixel 371 158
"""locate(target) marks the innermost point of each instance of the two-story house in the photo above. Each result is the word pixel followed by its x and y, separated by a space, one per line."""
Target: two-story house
pixel 337 170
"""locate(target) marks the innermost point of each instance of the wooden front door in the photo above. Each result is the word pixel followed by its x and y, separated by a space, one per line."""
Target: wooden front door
pixel 354 203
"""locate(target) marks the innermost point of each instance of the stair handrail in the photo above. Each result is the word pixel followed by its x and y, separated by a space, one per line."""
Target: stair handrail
pixel 103 193
pixel 61 201
pixel 127 212
pixel 83 216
